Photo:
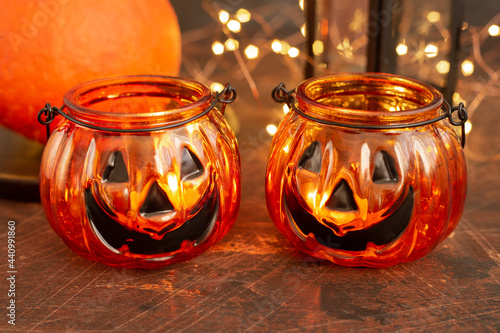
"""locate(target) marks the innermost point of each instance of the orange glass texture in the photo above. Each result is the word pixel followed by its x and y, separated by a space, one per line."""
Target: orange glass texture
pixel 366 197
pixel 141 199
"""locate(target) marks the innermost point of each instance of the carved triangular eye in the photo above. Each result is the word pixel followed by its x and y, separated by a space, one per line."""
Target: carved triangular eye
pixel 190 166
pixel 385 169
pixel 116 170
pixel 311 158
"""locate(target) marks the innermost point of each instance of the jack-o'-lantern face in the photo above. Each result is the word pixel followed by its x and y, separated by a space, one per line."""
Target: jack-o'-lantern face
pixel 144 200
pixel 364 171
pixel 374 199
pixel 159 222
pixel 144 171
pixel 341 220
pixel 152 198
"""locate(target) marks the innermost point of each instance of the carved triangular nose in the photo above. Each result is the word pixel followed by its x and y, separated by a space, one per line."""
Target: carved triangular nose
pixel 342 198
pixel 156 202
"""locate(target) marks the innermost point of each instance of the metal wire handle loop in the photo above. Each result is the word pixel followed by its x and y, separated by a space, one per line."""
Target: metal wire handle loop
pixel 463 116
pixel 281 95
pixel 229 96
pixel 50 112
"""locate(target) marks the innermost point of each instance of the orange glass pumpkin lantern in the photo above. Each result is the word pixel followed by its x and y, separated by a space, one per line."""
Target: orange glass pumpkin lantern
pixel 143 172
pixel 366 169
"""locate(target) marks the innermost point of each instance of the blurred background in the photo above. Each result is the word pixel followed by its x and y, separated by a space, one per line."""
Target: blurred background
pixel 254 280
pixel 257 44
pixel 453 45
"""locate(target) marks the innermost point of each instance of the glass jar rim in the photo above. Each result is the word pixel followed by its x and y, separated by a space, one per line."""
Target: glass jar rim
pixel 200 94
pixel 309 105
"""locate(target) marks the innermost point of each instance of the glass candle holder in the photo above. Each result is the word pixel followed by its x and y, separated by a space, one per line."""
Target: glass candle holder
pixel 366 169
pixel 142 172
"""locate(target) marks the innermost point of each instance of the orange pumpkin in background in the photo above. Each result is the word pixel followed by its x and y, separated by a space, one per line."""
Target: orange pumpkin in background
pixel 49 46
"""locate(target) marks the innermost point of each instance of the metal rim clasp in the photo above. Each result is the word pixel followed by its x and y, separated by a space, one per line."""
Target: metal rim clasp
pixel 229 96
pixel 281 95
pixel 463 116
pixel 48 114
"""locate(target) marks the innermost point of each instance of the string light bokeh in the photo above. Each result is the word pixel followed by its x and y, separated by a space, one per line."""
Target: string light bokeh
pixel 246 35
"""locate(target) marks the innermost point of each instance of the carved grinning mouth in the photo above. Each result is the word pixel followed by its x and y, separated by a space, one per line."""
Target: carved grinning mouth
pixel 114 235
pixel 381 233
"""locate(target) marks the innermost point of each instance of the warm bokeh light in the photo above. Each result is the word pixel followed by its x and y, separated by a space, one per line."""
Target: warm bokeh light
pixel 346 49
pixel 218 48
pixel 443 67
pixel 276 46
pixel 401 49
pixel 301 4
pixel 494 30
pixel 433 17
pixel 293 52
pixel 231 44
pixel 431 50
pixel 223 16
pixel 234 26
pixel 318 47
pixel 243 15
pixel 252 51
pixel 457 99
pixel 468 127
pixel 303 29
pixel 286 109
pixel 467 68
pixel 285 47
pixel 216 86
pixel 271 129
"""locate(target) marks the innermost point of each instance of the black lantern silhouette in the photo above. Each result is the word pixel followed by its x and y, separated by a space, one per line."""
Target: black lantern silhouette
pixel 418 39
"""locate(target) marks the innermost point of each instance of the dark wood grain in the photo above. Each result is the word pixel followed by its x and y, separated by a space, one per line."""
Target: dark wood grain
pixel 253 280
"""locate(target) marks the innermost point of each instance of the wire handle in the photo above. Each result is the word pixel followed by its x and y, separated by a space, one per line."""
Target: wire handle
pixel 49 113
pixel 463 116
pixel 229 96
pixel 281 95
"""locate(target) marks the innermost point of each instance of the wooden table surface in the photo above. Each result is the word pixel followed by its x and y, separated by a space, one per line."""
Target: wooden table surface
pixel 253 280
